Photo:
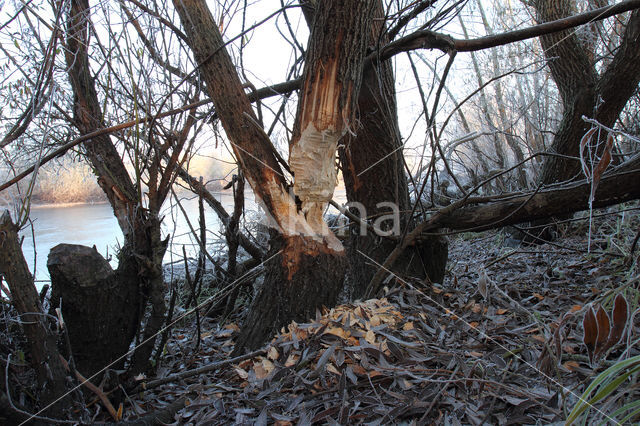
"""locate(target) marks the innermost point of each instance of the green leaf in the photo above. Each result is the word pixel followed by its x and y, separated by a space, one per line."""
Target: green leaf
pixel 611 373
pixel 624 409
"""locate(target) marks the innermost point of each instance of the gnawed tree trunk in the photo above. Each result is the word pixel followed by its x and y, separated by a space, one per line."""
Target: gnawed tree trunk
pixel 326 112
pixel 45 357
pixel 371 160
pixel 140 259
pixel 303 247
pixel 91 291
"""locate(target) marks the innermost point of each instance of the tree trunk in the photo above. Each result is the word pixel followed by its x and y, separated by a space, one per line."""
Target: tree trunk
pixel 303 276
pixel 618 186
pixel 45 357
pixel 372 164
pixel 302 242
pixel 96 306
pixel 498 211
pixel 583 92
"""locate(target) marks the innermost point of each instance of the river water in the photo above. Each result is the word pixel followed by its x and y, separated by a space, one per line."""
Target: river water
pixel 95 224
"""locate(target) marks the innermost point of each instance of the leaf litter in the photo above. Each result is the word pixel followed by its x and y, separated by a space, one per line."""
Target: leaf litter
pixel 500 344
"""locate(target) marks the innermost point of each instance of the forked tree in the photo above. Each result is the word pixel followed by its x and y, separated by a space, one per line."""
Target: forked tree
pixel 588 87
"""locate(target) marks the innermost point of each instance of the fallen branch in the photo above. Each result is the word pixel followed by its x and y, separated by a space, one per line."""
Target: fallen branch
pixel 93 388
pixel 618 186
pixel 204 369
pixel 615 188
pixel 160 417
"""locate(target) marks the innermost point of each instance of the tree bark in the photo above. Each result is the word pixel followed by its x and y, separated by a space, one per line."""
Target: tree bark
pixel 45 357
pixel 583 91
pixel 303 276
pixel 618 186
pixel 93 304
pixel 372 164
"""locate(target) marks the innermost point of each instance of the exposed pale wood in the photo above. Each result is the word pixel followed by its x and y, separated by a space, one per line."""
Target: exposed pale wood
pixel 331 81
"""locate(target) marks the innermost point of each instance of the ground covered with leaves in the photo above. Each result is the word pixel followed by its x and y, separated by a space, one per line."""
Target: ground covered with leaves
pixel 500 342
pixel 514 335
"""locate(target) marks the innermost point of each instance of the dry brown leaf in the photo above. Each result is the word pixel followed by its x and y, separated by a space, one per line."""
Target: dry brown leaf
pixel 359 370
pixel 246 364
pixel 571 365
pixel 332 369
pixel 292 359
pixel 232 326
pixel 604 326
pixel 620 316
pixel 263 368
pixel 273 353
pixel 406 384
pixel 408 326
pixel 590 332
pixel 241 373
pixel 375 321
pixel 370 337
pixel 502 311
pixel 539 337
pixel 337 331
pixel 602 166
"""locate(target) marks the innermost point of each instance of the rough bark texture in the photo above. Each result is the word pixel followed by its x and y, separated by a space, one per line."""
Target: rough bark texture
pixel 250 143
pixel 96 306
pixel 45 357
pixel 303 278
pixel 372 166
pixel 87 114
pixel 582 90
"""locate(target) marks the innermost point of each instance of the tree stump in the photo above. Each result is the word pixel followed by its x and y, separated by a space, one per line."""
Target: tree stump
pixel 100 309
